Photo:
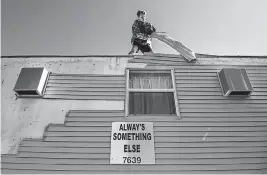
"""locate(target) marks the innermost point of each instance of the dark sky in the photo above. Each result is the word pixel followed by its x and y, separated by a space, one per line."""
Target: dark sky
pixel 78 27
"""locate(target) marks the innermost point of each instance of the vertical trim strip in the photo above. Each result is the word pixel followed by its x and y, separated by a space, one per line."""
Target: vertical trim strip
pixel 175 95
pixel 218 76
pixel 42 82
pixel 126 106
pixel 46 82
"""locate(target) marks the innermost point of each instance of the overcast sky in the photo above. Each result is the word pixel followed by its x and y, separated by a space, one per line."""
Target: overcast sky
pixel 82 27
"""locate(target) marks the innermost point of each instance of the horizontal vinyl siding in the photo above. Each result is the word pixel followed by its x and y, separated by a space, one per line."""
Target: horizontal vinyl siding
pixel 211 119
pixel 85 161
pixel 56 144
pixel 215 135
pixel 201 95
pixel 158 156
pixel 138 168
pixel 8 171
pixel 85 87
pixel 179 145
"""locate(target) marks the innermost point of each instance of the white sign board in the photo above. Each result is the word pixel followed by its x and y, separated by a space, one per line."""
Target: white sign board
pixel 132 143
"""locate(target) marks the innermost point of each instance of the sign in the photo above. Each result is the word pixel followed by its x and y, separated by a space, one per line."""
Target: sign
pixel 132 143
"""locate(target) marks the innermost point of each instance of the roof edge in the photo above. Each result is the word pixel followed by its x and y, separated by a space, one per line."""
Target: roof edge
pixel 198 55
pixel 230 56
pixel 42 56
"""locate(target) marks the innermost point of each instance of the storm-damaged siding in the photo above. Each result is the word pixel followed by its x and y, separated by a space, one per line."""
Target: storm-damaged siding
pixel 85 87
pixel 215 135
pixel 185 146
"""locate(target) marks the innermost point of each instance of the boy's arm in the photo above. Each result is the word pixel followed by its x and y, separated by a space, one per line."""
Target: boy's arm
pixel 150 29
pixel 153 29
pixel 135 27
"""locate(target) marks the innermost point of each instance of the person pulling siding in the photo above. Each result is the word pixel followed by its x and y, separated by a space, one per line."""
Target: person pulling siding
pixel 143 32
pixel 141 38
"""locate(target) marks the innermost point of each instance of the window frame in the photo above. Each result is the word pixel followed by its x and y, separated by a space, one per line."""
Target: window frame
pixel 128 90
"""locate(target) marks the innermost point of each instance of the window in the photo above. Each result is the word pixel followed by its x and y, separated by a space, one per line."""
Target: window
pixel 151 92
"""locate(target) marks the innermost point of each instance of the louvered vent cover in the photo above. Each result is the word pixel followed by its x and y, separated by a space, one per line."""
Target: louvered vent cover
pixel 235 82
pixel 31 82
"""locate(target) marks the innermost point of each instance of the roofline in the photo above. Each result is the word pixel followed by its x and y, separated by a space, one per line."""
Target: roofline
pixel 41 56
pixel 156 54
pixel 232 56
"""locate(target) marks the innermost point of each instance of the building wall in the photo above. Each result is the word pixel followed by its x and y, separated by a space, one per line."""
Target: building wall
pixel 215 135
pixel 27 118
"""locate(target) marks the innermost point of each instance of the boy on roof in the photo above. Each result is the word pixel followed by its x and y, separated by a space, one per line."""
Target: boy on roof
pixel 141 39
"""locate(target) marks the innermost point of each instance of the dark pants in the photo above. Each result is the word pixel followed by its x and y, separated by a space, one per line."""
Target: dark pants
pixel 142 46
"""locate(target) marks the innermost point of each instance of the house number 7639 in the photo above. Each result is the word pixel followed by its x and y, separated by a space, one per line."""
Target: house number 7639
pixel 132 160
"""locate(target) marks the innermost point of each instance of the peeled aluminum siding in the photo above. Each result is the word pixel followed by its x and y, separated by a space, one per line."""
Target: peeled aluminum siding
pixel 85 87
pixel 83 145
pixel 215 135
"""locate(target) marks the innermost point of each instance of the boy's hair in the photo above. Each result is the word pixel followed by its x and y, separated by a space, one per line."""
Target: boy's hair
pixel 140 12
